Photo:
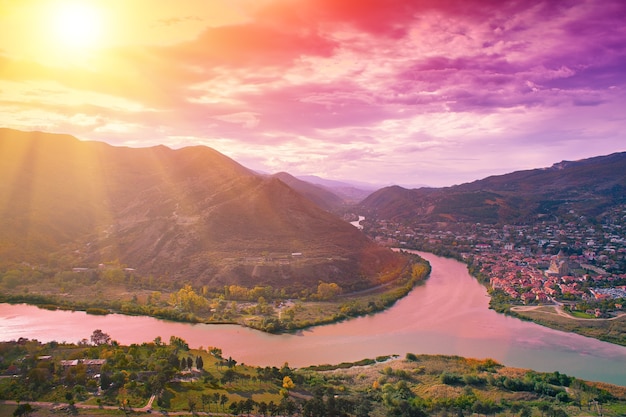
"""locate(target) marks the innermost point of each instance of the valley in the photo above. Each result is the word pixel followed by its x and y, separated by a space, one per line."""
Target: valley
pixel 313 208
pixel 193 237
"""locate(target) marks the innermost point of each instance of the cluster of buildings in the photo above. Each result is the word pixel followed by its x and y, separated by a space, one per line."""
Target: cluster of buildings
pixel 566 278
pixel 92 366
pixel 566 259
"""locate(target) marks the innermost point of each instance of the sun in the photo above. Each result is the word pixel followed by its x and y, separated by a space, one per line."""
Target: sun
pixel 77 24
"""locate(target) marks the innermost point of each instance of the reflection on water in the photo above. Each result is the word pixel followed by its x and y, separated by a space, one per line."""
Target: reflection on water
pixel 447 315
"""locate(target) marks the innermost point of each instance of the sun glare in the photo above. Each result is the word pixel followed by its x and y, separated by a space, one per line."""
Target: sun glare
pixel 77 24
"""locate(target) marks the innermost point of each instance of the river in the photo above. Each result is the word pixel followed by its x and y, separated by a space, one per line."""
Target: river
pixel 357 223
pixel 448 315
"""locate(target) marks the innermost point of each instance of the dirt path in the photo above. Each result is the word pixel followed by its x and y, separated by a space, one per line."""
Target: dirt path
pixel 53 406
pixel 558 311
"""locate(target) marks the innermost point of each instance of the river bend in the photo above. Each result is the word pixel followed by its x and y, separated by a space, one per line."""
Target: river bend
pixel 448 315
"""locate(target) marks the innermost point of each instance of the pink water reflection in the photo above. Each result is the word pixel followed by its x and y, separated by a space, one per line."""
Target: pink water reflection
pixel 447 315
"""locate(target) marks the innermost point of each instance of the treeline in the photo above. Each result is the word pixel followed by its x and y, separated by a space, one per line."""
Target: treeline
pixel 101 276
pixel 551 385
pixel 413 274
pixel 260 307
pixel 204 380
pixel 346 365
pixel 130 374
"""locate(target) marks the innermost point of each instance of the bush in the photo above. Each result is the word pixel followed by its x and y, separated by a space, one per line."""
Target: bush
pixel 451 379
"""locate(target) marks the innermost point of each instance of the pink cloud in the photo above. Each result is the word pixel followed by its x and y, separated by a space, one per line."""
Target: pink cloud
pixel 362 73
pixel 251 45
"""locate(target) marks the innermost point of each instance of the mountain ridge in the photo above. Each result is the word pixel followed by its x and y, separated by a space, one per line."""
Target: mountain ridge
pixel 587 186
pixel 188 215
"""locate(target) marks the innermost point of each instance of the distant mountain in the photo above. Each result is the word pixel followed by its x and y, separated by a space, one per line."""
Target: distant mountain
pixel 588 187
pixel 321 196
pixel 350 192
pixel 188 215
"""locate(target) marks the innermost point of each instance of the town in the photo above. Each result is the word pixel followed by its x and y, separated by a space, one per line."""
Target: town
pixel 571 260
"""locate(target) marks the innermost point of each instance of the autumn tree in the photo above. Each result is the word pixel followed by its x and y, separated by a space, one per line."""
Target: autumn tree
pixel 186 299
pixel 288 384
pixel 327 291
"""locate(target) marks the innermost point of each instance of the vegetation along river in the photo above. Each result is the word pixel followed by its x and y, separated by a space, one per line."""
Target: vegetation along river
pixel 448 315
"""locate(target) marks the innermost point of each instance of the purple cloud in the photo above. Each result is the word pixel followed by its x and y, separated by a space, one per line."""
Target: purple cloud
pixel 358 84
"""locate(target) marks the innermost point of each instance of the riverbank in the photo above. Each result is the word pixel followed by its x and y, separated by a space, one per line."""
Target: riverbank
pixel 448 315
pixel 188 305
pixel 612 330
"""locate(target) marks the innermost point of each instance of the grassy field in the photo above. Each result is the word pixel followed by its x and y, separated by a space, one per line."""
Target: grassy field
pixel 443 382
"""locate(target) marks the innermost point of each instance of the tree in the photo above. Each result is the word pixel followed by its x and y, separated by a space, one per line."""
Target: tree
pixel 206 399
pixel 363 408
pixel 199 362
pixel 23 410
pixel 327 291
pixel 98 337
pixel 179 343
pixel 191 402
pixel 314 407
pixel 234 408
pixel 216 399
pixel 263 408
pixel 288 384
pixel 272 408
pixel 216 352
pixel 288 406
pixel 479 407
pixel 248 405
pixel 105 380
pixel 544 407
pixel 562 397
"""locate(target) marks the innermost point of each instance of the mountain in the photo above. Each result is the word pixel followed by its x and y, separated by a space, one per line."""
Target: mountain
pixel 352 192
pixel 321 196
pixel 189 215
pixel 588 187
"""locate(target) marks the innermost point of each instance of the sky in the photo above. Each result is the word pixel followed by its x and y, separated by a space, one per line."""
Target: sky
pixel 407 92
